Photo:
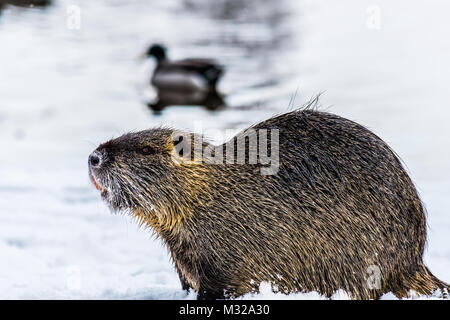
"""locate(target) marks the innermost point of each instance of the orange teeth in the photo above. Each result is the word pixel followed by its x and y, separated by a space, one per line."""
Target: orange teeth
pixel 96 185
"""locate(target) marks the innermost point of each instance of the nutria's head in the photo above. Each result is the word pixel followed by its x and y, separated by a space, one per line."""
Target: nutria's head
pixel 139 170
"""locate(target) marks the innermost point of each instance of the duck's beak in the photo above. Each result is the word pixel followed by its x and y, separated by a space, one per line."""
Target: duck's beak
pixel 142 56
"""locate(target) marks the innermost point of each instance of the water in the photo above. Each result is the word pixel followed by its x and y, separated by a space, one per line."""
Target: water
pixel 64 90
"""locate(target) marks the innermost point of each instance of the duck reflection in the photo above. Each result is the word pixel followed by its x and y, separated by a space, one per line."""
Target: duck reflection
pixel 209 99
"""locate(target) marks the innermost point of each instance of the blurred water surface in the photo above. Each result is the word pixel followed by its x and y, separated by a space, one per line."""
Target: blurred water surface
pixel 63 90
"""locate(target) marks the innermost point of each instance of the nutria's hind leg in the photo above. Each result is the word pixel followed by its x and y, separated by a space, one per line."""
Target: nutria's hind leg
pixel 213 281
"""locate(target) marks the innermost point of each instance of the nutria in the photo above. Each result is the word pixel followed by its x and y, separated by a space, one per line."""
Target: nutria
pixel 338 210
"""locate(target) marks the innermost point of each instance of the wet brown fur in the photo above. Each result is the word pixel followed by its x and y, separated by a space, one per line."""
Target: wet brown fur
pixel 340 203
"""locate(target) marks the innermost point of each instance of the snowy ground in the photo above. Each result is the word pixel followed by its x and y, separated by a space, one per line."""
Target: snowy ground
pixel 63 91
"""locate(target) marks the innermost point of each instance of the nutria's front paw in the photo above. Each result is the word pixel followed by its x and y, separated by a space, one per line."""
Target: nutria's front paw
pixel 185 286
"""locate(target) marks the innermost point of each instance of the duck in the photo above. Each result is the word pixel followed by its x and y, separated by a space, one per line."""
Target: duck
pixel 192 74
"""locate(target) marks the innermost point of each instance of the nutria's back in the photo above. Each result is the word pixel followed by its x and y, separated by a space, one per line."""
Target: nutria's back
pixel 339 211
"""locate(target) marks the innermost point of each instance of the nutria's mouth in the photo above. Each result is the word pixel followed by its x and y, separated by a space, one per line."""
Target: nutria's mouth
pixel 103 191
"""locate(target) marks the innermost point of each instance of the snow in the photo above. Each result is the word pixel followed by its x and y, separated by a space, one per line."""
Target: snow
pixel 63 91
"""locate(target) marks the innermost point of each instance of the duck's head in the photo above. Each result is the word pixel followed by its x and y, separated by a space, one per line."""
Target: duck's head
pixel 158 51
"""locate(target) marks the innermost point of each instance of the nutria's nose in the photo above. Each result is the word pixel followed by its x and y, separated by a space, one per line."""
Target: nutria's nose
pixel 95 160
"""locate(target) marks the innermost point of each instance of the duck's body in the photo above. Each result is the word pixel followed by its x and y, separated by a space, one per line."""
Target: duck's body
pixel 184 75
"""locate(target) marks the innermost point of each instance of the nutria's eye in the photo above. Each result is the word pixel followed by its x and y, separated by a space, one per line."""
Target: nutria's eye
pixel 147 151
